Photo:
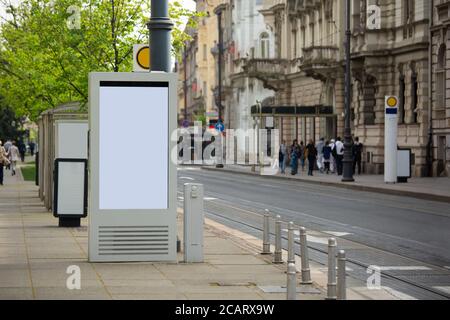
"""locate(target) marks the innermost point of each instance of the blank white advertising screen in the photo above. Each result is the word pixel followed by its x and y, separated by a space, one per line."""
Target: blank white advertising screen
pixel 72 140
pixel 71 188
pixel 133 142
pixel 403 163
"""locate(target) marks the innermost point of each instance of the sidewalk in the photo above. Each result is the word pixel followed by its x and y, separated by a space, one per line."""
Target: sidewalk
pixel 437 189
pixel 35 254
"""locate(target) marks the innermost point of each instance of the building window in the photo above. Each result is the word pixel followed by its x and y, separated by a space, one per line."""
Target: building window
pixel 401 97
pixel 303 38
pixel 408 18
pixel 441 96
pixel 414 96
pixel 294 49
pixel 265 45
pixel 408 11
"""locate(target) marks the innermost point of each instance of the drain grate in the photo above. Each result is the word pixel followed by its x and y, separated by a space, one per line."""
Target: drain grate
pixel 237 284
pixel 280 289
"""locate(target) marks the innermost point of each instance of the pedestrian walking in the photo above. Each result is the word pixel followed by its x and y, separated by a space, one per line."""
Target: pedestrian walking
pixel 295 153
pixel 14 156
pixel 333 156
pixel 282 157
pixel 22 150
pixel 32 146
pixel 311 154
pixel 339 156
pixel 357 150
pixel 302 155
pixel 319 146
pixel 3 161
pixel 7 146
pixel 327 157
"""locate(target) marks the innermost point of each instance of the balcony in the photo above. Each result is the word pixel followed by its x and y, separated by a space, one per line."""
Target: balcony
pixel 272 72
pixel 320 61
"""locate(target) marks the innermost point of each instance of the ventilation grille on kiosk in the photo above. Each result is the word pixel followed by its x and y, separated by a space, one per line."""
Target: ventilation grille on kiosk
pixel 142 240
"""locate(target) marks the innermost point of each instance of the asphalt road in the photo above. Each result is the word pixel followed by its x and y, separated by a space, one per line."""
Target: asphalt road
pixel 398 231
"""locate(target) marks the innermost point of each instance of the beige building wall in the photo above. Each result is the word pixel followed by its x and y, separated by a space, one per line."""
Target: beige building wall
pixel 201 68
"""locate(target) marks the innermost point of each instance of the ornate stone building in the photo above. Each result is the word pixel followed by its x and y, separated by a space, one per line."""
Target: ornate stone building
pixel 293 60
pixel 440 111
pixel 307 72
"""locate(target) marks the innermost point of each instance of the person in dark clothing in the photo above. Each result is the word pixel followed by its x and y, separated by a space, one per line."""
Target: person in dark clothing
pixel 295 154
pixel 302 155
pixel 311 152
pixel 339 156
pixel 22 150
pixel 357 150
pixel 327 157
pixel 32 146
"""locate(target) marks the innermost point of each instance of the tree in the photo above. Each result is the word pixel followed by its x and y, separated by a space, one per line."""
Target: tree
pixel 9 123
pixel 49 47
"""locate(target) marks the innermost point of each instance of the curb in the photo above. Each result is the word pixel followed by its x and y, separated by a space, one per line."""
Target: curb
pixel 349 186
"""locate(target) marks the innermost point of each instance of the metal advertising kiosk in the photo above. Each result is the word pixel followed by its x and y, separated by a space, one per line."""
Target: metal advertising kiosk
pixel 132 196
pixel 70 172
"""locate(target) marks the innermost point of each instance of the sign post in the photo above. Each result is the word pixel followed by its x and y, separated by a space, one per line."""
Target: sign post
pixel 132 201
pixel 390 139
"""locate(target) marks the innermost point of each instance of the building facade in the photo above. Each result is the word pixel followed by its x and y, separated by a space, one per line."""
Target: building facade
pixel 307 72
pixel 440 110
pixel 289 55
pixel 245 36
pixel 197 68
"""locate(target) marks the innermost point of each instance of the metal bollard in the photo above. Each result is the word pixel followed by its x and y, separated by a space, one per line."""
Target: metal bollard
pixel 291 282
pixel 193 223
pixel 306 272
pixel 266 233
pixel 291 251
pixel 331 286
pixel 277 258
pixel 341 276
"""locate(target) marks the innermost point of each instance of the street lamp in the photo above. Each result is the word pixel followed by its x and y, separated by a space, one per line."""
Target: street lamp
pixel 258 134
pixel 348 143
pixel 219 149
pixel 160 27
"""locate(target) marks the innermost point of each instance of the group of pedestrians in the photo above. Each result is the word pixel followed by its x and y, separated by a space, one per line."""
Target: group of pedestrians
pixel 327 156
pixel 10 154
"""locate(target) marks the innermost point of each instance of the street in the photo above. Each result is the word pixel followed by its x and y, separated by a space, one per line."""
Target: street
pixel 407 236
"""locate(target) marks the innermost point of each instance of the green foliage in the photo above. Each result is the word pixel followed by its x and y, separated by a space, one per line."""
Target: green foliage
pixel 45 56
pixel 9 123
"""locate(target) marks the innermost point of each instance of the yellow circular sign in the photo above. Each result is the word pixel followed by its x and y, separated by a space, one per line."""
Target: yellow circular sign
pixel 143 58
pixel 392 102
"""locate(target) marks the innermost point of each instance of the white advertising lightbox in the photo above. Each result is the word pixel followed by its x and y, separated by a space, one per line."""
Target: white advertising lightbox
pixel 70 170
pixel 132 199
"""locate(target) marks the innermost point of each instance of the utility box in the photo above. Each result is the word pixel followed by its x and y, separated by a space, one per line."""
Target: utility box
pixel 133 179
pixel 193 222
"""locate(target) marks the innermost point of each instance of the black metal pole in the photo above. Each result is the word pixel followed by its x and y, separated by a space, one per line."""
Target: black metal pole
pixel 219 148
pixel 348 143
pixel 160 27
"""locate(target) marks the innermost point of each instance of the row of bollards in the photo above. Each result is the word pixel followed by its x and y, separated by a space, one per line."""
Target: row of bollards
pixel 336 287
